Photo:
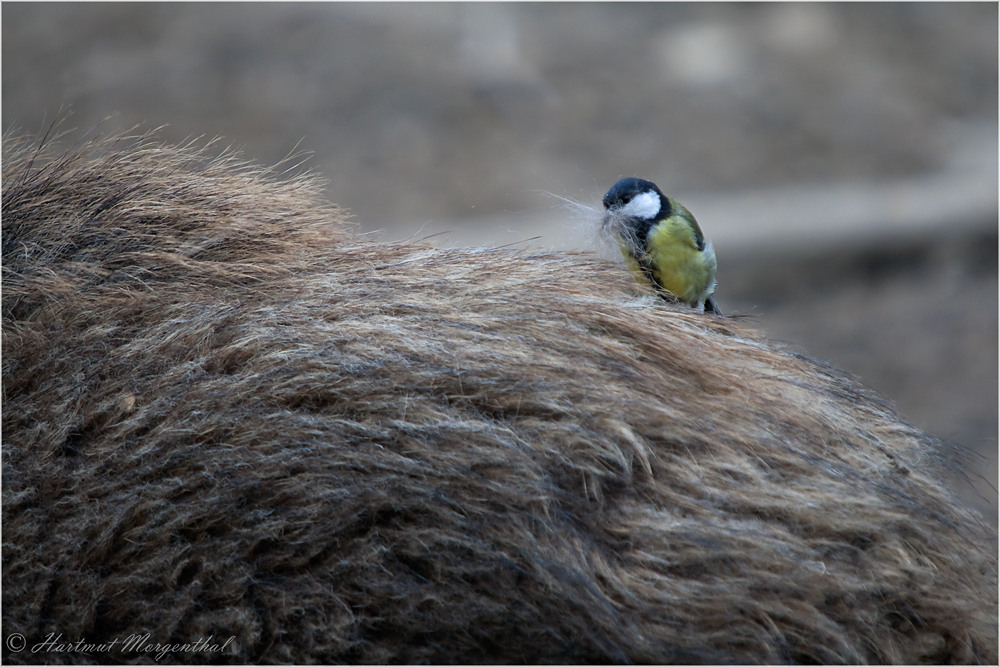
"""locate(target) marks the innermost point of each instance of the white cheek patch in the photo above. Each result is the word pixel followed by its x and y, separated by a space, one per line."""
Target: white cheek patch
pixel 644 206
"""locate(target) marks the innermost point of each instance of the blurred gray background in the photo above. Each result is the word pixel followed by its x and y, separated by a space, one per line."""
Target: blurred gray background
pixel 842 157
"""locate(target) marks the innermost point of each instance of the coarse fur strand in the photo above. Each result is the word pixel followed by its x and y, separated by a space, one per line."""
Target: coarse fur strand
pixel 226 415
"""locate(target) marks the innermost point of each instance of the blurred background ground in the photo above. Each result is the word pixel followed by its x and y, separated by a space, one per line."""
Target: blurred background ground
pixel 842 157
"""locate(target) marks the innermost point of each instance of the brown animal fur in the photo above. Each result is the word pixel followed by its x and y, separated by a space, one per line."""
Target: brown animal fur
pixel 226 416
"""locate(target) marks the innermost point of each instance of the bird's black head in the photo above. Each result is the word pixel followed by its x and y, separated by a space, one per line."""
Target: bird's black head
pixel 637 198
pixel 632 207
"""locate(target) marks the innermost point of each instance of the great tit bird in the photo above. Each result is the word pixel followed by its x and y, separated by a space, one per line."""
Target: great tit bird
pixel 661 241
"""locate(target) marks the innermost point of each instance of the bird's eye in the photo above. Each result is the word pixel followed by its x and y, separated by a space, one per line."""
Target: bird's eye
pixel 627 192
pixel 618 201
